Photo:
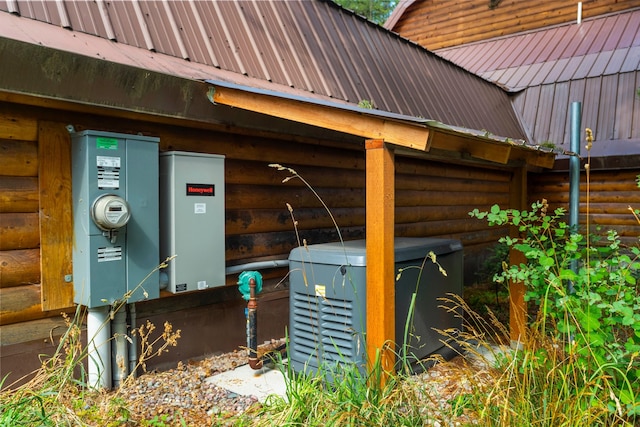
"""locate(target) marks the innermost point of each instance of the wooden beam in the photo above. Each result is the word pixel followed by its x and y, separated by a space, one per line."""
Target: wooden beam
pixel 477 147
pixel 56 232
pixel 410 135
pixel 380 254
pixel 19 267
pixel 517 304
pixel 20 304
pixel 19 231
pixel 534 158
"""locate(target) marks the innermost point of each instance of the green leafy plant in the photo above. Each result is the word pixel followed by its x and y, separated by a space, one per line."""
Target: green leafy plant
pixel 587 296
pixel 365 103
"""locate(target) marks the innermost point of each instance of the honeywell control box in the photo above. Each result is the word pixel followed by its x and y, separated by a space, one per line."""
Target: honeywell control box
pixel 192 219
pixel 115 217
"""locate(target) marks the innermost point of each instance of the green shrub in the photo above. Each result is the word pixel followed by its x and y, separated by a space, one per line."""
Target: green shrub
pixel 587 295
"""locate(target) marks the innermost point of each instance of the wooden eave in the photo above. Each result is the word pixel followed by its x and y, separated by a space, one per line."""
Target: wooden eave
pixel 408 135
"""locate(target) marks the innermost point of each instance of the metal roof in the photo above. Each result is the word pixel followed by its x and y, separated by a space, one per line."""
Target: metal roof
pixel 312 46
pixel 597 47
pixel 596 63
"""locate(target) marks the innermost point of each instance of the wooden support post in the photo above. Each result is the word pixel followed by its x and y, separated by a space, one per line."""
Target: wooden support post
pixel 56 218
pixel 517 304
pixel 380 253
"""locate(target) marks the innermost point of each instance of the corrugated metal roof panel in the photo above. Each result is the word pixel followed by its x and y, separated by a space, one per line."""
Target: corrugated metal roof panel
pixel 632 61
pixel 596 63
pixel 596 41
pixel 610 107
pixel 312 46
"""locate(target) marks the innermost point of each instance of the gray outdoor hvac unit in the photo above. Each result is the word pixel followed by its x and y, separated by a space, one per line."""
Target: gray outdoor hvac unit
pixel 327 316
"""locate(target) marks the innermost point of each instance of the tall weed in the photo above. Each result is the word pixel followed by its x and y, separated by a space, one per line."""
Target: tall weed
pixel 581 360
pixel 58 393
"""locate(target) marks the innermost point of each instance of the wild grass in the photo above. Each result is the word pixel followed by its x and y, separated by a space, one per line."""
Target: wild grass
pixel 58 393
pixel 547 379
pixel 338 395
pixel 537 383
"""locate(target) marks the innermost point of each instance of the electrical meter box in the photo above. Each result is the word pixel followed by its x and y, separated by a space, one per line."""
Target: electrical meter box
pixel 328 300
pixel 192 219
pixel 115 217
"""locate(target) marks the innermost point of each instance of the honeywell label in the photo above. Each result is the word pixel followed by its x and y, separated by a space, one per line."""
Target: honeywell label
pixel 200 190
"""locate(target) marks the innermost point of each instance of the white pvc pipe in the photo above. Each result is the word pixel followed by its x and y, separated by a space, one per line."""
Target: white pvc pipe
pixel 579 18
pixel 99 347
pixel 119 347
pixel 133 344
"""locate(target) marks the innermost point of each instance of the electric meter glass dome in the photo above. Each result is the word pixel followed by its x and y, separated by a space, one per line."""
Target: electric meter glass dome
pixel 110 212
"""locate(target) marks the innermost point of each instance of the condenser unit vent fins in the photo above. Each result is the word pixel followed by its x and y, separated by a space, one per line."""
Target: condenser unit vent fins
pixel 337 329
pixel 305 327
pixel 328 315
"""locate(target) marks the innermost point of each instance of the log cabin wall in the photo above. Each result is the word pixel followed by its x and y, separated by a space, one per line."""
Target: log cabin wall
pixel 611 193
pixel 433 199
pixel 437 24
pixel 19 223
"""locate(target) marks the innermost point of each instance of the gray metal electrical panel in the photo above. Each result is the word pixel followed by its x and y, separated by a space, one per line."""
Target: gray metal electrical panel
pixel 115 217
pixel 328 301
pixel 192 219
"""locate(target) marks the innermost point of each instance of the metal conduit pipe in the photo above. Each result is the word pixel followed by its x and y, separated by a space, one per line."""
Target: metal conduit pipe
pixel 133 343
pixel 252 326
pixel 574 167
pixel 574 177
pixel 119 347
pixel 258 265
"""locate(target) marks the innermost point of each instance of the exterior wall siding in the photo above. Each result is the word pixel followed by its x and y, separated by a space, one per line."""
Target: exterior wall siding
pixel 436 24
pixel 611 193
pixel 432 199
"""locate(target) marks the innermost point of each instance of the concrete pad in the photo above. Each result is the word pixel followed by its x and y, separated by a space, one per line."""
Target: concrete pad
pixel 248 382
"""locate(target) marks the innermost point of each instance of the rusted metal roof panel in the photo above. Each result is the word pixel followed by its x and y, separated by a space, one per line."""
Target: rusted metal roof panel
pixel 307 45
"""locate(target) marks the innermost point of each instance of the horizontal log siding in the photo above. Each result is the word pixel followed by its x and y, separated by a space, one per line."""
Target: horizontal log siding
pixel 436 24
pixel 19 224
pixel 434 199
pixel 258 222
pixel 611 195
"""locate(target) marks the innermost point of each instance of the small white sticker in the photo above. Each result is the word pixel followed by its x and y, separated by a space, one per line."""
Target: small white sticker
pixel 200 208
pixel 321 290
pixel 202 284
pixel 108 183
pixel 108 162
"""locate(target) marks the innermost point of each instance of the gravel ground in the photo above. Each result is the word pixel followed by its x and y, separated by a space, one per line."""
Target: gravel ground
pixel 181 396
